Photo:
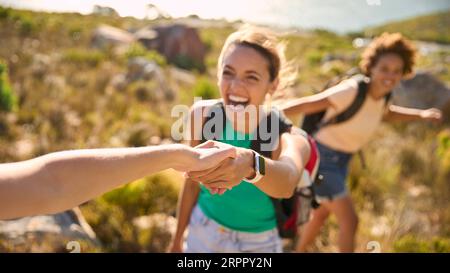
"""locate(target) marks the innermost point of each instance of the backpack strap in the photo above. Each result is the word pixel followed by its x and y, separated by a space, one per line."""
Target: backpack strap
pixel 354 107
pixel 212 112
pixel 284 125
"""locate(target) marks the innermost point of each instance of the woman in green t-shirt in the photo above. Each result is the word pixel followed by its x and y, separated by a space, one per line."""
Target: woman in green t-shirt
pixel 241 217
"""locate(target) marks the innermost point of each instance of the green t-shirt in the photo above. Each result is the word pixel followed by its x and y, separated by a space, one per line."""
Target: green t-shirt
pixel 244 207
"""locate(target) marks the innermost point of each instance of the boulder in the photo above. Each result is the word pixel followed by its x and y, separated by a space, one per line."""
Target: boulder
pixel 141 68
pixel 47 233
pixel 105 36
pixel 422 91
pixel 180 44
pixel 162 228
pixel 104 11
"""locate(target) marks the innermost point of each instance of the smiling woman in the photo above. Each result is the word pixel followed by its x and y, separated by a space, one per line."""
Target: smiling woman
pixel 384 62
pixel 241 217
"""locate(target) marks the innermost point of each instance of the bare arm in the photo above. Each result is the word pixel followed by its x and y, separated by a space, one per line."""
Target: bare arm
pixel 398 113
pixel 306 105
pixel 62 180
pixel 283 174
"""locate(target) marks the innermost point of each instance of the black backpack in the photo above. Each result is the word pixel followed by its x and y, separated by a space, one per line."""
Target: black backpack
pixel 314 122
pixel 284 208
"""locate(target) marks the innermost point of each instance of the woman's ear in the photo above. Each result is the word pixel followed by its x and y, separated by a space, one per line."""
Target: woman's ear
pixel 274 86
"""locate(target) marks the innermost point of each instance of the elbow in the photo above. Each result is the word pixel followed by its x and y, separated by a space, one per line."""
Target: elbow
pixel 288 193
pixel 294 177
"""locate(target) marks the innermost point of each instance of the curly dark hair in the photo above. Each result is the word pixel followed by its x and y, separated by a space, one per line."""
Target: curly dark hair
pixel 389 43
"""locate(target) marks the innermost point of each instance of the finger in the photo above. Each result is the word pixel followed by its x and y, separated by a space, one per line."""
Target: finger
pixel 216 189
pixel 196 174
pixel 214 178
pixel 221 184
pixel 219 174
pixel 207 144
pixel 213 190
pixel 217 155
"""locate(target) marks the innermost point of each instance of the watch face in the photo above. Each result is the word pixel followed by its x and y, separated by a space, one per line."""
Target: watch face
pixel 262 165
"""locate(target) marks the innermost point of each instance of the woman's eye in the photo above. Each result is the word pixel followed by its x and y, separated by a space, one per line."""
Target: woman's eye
pixel 252 78
pixel 227 73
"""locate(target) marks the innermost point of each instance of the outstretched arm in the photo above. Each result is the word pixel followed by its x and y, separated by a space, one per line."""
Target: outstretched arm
pixel 399 113
pixel 62 180
pixel 306 105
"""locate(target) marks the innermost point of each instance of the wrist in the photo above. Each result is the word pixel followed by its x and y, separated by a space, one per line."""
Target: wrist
pixel 181 156
pixel 250 164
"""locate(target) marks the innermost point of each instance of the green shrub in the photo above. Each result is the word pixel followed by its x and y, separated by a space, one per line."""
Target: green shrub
pixel 7 98
pixel 80 57
pixel 138 50
pixel 5 13
pixel 205 89
pixel 186 62
pixel 412 244
pixel 111 216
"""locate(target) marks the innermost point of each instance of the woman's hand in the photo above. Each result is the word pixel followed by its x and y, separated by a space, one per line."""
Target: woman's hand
pixel 434 115
pixel 204 156
pixel 228 173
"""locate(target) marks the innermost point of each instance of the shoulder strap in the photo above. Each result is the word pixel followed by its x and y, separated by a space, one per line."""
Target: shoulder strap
pixel 354 107
pixel 212 112
pixel 284 125
pixel 387 98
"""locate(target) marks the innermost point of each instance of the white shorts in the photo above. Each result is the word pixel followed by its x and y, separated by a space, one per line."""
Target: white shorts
pixel 207 236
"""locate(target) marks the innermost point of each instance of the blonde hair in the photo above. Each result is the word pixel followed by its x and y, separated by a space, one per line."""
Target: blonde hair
pixel 388 43
pixel 269 46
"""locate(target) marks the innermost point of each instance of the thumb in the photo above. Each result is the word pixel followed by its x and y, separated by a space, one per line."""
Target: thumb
pixel 207 144
pixel 222 154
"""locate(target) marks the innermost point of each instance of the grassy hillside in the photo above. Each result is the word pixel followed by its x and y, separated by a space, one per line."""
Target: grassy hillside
pixel 64 99
pixel 433 27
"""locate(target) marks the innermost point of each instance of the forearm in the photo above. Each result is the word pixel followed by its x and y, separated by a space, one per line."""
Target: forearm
pixel 283 174
pixel 62 180
pixel 305 105
pixel 186 203
pixel 281 178
pixel 398 113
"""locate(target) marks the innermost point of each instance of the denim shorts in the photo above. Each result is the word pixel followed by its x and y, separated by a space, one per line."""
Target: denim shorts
pixel 207 236
pixel 333 169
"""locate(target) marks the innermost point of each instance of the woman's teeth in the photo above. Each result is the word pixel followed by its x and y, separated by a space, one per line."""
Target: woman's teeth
pixel 236 100
pixel 237 103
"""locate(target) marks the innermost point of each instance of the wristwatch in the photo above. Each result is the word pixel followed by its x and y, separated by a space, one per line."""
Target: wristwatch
pixel 259 165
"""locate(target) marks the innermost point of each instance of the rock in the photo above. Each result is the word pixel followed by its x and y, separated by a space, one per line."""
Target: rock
pixel 104 11
pixel 46 233
pixel 40 65
pixel 180 44
pixel 141 68
pixel 155 140
pixel 162 228
pixel 182 76
pixel 422 91
pixel 105 36
pixel 147 36
pixel 24 148
pixel 119 82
